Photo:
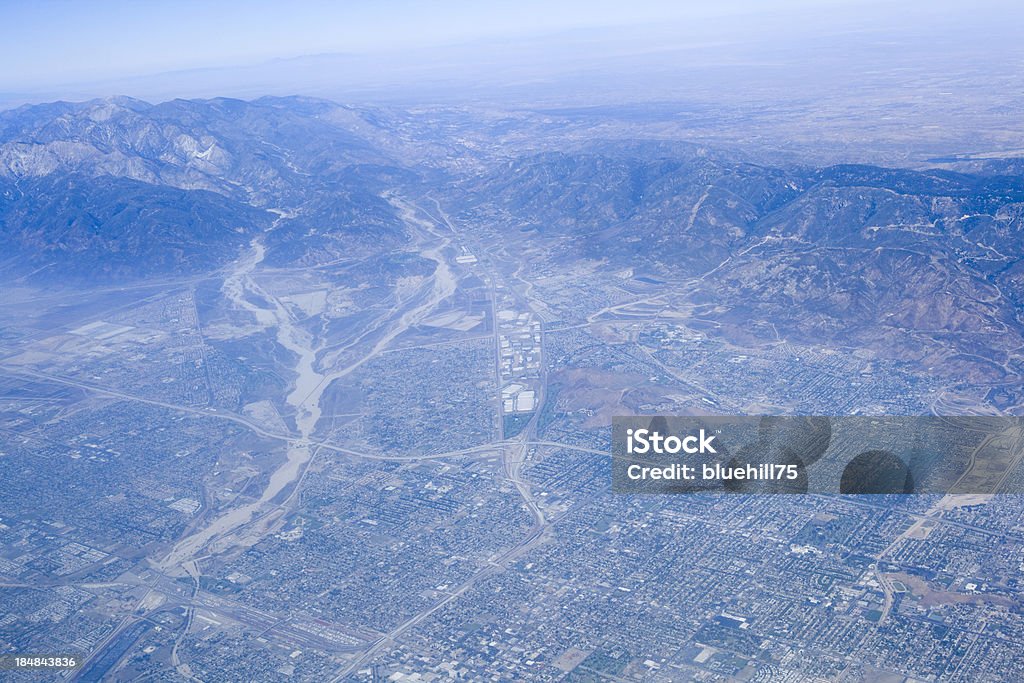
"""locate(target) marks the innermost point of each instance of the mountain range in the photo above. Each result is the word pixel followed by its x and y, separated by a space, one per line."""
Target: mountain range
pixel 115 190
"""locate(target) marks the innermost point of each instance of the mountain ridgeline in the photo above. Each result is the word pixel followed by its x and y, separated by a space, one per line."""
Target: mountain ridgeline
pixel 120 189
pixel 117 190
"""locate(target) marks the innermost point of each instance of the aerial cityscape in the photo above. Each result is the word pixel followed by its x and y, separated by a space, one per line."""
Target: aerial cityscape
pixel 300 388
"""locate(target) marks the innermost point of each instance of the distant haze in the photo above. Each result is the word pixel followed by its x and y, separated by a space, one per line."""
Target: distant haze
pixel 459 48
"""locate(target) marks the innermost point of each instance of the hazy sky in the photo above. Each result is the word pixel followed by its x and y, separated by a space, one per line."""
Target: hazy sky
pixel 159 49
pixel 48 42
